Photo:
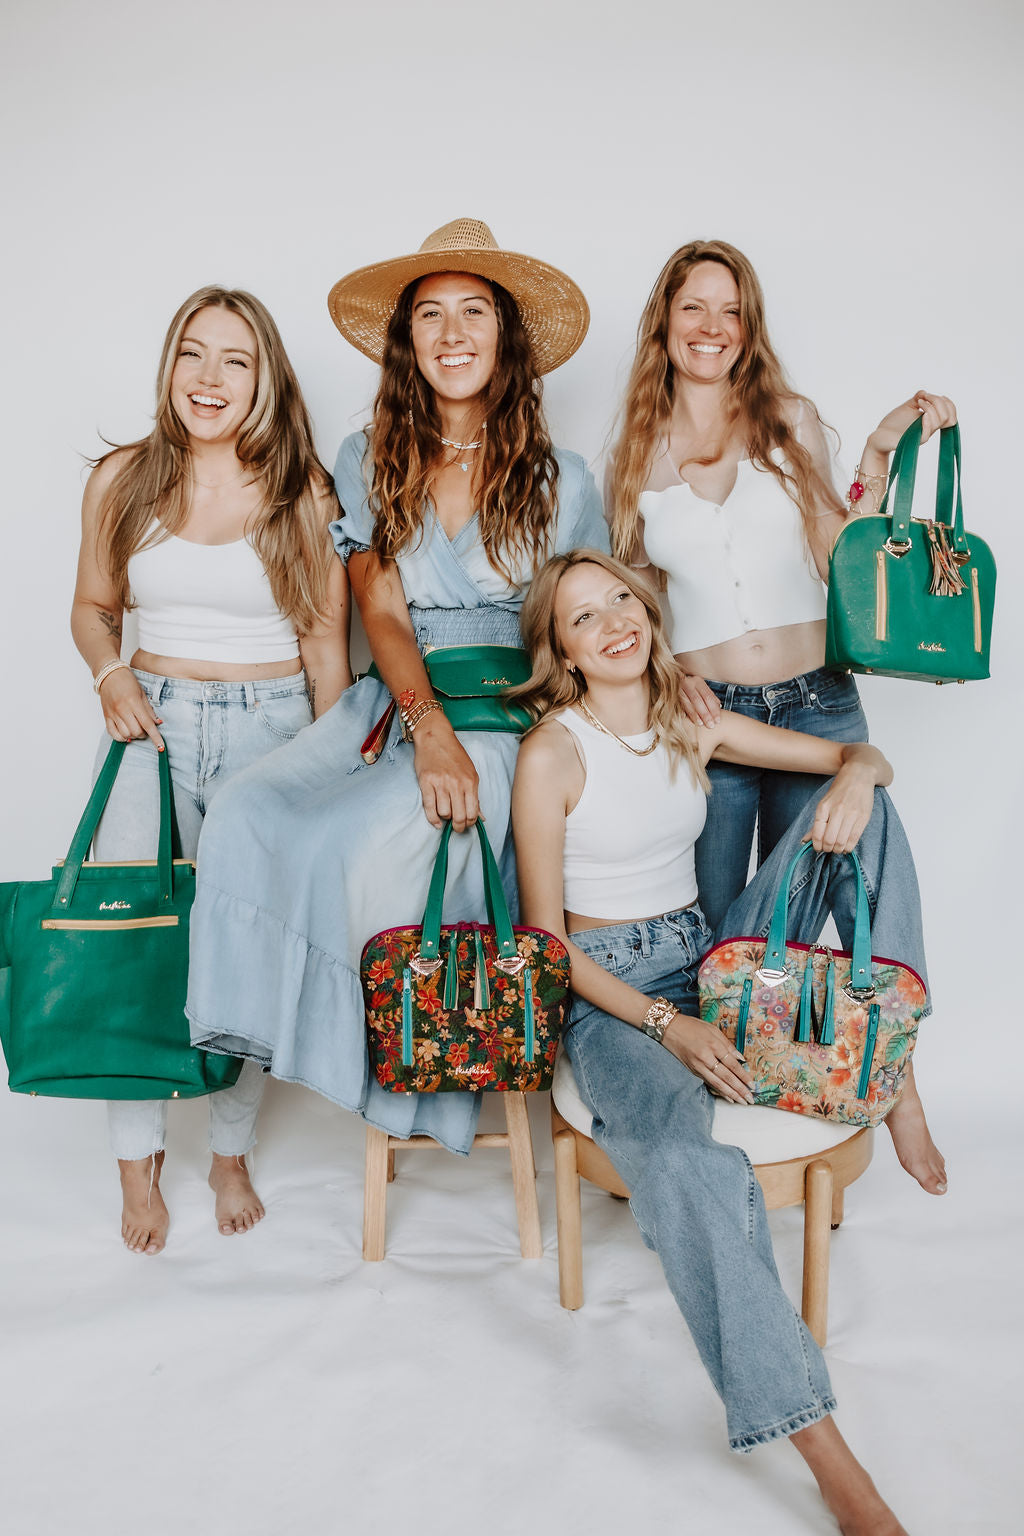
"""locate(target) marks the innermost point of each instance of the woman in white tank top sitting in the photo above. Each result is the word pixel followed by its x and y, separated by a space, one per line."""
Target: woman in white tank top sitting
pixel 214 529
pixel 609 798
pixel 721 478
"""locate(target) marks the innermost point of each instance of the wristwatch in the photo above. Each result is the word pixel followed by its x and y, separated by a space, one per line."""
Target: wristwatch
pixel 657 1018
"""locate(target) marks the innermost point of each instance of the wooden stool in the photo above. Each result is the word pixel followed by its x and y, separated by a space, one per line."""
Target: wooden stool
pixel 816 1178
pixel 380 1171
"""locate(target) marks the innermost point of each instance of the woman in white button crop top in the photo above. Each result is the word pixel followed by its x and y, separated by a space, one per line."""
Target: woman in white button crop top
pixel 214 529
pixel 612 762
pixel 721 478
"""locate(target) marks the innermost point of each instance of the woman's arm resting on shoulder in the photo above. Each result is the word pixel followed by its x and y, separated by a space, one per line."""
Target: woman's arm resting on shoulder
pixel 700 705
pixel 324 649
pixel 855 768
pixel 97 618
pixel 444 769
pixel 546 774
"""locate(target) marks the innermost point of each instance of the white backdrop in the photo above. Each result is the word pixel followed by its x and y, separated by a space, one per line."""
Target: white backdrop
pixel 866 158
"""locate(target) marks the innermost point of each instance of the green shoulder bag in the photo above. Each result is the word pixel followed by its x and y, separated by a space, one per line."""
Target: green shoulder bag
pixel 94 967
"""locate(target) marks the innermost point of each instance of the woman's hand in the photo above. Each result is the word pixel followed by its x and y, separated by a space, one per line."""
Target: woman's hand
pixel 844 810
pixel 700 705
pixel 126 709
pixel 935 411
pixel 709 1055
pixel 448 781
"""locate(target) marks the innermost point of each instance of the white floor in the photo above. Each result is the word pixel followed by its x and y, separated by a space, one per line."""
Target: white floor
pixel 275 1383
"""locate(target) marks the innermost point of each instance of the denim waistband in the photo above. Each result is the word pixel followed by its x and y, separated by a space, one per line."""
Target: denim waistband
pixel 487 625
pixel 790 690
pixel 640 932
pixel 195 692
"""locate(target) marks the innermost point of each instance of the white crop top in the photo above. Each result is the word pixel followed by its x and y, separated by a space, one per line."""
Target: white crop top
pixel 629 839
pixel 208 602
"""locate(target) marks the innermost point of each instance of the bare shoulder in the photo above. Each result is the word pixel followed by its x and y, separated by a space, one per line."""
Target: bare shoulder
pixel 548 747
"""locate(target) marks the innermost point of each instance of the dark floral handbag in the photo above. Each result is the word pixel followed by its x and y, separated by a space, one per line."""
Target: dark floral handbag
pixel 822 1032
pixel 470 1006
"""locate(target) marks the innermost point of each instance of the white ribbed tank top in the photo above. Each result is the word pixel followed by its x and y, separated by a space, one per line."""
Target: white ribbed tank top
pixel 629 839
pixel 208 602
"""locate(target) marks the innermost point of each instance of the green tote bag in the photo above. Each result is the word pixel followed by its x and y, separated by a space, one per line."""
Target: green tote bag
pixel 93 971
pixel 909 597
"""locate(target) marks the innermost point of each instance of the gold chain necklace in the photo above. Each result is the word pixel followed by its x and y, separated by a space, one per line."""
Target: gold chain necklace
pixel 607 731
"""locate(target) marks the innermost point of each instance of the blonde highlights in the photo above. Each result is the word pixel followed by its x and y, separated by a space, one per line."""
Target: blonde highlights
pixel 275 444
pixel 761 403
pixel 551 687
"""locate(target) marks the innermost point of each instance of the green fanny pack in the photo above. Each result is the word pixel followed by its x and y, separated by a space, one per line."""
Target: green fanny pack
pixel 470 682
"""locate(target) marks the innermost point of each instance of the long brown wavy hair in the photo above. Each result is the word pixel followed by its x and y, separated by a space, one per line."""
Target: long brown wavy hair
pixel 551 687
pixel 761 402
pixel 275 444
pixel 518 499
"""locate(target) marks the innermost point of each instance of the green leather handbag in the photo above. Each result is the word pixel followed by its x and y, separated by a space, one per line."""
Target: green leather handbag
pixel 94 967
pixel 909 597
pixel 470 681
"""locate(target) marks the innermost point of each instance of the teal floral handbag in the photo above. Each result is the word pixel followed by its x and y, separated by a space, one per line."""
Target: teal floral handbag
pixel 466 1007
pixel 822 1031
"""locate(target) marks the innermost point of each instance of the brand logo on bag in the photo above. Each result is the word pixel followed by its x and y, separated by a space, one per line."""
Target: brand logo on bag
pixel 496 682
pixel 931 645
pixel 473 1069
pixel 115 906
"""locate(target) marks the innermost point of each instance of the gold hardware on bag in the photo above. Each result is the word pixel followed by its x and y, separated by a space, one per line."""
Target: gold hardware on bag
pixel 109 922
pixel 899 550
pixel 881 597
pixel 976 602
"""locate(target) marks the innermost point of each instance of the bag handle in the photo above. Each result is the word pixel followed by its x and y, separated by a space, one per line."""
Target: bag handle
pixel 949 508
pixel 497 907
pixel 168 845
pixel 773 966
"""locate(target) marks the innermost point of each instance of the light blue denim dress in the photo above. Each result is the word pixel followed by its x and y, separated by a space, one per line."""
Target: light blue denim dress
pixel 310 852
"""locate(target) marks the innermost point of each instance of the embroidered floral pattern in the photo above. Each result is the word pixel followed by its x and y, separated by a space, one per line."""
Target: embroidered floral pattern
pixel 810 1078
pixel 464 1047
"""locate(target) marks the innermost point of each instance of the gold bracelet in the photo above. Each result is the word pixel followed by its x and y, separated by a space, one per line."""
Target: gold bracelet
pixel 412 717
pixel 874 483
pixel 104 673
pixel 657 1018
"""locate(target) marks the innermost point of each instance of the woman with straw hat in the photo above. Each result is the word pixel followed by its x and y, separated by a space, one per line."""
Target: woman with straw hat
pixel 451 499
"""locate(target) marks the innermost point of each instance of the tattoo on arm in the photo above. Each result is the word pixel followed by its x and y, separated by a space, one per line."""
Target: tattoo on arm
pixel 112 623
pixel 311 685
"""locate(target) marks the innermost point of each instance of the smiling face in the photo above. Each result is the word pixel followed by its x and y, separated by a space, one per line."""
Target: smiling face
pixel 455 336
pixel 603 628
pixel 705 335
pixel 213 384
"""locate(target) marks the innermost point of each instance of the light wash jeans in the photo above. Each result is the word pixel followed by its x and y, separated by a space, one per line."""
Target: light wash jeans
pixel 821 703
pixel 696 1201
pixel 211 732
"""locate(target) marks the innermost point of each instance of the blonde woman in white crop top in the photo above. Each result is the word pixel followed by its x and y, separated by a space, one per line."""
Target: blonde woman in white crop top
pixel 608 799
pixel 214 529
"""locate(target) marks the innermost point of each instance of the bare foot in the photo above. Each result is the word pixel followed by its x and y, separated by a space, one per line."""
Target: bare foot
pixel 144 1216
pixel 845 1486
pixel 238 1206
pixel 913 1140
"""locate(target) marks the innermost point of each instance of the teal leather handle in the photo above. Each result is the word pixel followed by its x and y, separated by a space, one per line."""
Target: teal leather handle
pixel 775 949
pixel 167 845
pixel 949 508
pixel 497 906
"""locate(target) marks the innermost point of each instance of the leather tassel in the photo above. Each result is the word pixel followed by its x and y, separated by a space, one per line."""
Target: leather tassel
pixel 803 1028
pixel 481 986
pixel 451 974
pixel 530 1045
pixel 827 1034
pixel 373 746
pixel 946 579
pixel 869 1051
pixel 407 1017
pixel 741 1022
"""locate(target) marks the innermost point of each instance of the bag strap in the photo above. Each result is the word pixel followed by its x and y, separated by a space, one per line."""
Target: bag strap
pixel 949 508
pixel 168 845
pixel 773 967
pixel 497 906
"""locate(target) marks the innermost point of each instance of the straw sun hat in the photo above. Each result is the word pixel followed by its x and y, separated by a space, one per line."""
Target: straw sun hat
pixel 553 309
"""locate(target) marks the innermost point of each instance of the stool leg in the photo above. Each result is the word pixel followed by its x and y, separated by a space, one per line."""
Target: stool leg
pixel 375 1194
pixel 391 1165
pixel 817 1210
pixel 570 1222
pixel 524 1178
pixel 838 1205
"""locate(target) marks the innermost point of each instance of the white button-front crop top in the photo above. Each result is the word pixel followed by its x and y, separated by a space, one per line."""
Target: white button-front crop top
pixel 208 602
pixel 732 568
pixel 629 838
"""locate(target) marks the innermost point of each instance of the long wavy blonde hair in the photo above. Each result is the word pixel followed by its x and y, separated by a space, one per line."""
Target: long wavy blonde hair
pixel 551 687
pixel 761 400
pixel 275 444
pixel 518 499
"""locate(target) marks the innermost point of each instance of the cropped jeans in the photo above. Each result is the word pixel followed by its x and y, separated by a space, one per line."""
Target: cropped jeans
pixel 821 703
pixel 697 1201
pixel 211 731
